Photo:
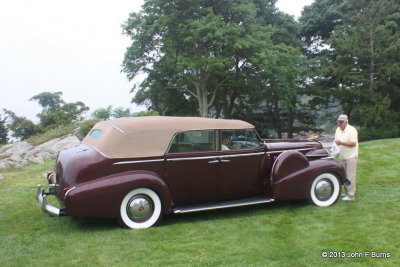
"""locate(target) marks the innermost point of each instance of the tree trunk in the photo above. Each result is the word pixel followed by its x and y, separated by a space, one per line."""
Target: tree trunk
pixel 229 104
pixel 277 118
pixel 203 104
pixel 290 123
pixel 202 95
pixel 372 62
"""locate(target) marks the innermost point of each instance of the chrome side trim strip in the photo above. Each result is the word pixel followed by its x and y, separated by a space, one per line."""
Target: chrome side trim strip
pixel 242 155
pixel 219 156
pixel 330 157
pixel 223 205
pixel 137 161
pixel 194 158
pixel 208 157
pixel 281 151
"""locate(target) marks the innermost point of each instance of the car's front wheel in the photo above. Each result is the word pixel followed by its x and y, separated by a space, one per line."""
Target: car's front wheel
pixel 140 208
pixel 325 190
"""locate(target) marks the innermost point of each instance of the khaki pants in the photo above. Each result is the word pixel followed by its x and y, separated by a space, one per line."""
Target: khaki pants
pixel 350 165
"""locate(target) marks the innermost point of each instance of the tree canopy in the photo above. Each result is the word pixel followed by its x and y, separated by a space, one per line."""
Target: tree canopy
pixel 201 45
pixel 360 60
pixel 111 112
pixel 246 59
pixel 229 58
pixel 55 111
pixel 21 127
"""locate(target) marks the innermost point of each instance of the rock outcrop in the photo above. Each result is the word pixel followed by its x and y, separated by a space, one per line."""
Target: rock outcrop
pixel 22 153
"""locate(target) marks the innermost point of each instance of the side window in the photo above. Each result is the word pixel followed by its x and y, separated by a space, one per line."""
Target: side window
pixel 239 139
pixel 193 141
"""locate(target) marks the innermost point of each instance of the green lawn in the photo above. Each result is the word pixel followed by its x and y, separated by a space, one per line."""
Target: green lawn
pixel 277 234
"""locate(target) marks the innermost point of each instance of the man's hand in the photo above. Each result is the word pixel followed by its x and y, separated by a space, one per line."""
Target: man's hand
pixel 340 143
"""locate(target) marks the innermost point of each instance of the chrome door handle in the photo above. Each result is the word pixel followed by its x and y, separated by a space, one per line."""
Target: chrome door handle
pixel 225 160
pixel 213 161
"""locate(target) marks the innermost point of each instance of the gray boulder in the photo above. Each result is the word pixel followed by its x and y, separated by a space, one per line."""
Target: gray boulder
pixel 21 153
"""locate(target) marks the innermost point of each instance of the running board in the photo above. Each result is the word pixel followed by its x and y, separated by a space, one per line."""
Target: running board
pixel 223 205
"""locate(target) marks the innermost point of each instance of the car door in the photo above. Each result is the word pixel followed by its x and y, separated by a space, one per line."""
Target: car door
pixel 241 171
pixel 191 169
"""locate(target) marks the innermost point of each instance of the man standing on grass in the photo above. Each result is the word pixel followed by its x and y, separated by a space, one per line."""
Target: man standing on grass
pixel 346 137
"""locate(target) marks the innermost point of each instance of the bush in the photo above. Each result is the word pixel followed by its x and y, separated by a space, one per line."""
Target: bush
pixel 368 134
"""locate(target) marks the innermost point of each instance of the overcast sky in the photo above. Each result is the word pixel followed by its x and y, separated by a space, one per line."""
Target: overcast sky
pixel 73 46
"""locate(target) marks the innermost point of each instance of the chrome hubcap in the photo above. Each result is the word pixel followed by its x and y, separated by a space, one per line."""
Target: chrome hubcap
pixel 323 189
pixel 140 208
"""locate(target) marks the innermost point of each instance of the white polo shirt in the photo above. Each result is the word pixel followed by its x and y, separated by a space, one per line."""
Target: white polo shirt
pixel 349 134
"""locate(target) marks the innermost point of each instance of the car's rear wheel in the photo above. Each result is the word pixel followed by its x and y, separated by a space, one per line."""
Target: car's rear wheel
pixel 325 190
pixel 140 208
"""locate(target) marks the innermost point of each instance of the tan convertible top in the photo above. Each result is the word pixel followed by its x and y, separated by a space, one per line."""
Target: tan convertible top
pixel 149 136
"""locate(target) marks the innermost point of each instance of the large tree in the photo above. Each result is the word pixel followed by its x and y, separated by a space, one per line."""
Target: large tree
pixel 20 127
pixel 202 45
pixel 360 60
pixel 278 97
pixel 55 111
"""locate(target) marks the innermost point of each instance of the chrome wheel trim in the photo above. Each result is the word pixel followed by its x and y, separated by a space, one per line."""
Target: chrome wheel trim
pixel 143 217
pixel 140 208
pixel 323 189
pixel 324 199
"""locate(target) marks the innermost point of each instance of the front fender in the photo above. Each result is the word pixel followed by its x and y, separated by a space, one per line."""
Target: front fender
pixel 293 174
pixel 102 198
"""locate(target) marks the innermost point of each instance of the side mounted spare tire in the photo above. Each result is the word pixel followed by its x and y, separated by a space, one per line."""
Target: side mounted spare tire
pixel 325 190
pixel 140 208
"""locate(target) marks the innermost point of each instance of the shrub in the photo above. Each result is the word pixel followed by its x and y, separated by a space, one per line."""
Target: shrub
pixel 367 134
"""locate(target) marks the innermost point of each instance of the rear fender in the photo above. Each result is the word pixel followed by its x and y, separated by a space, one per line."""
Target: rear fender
pixel 293 174
pixel 102 198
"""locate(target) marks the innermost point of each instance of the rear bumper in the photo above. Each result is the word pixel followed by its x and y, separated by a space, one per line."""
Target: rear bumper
pixel 41 197
pixel 46 207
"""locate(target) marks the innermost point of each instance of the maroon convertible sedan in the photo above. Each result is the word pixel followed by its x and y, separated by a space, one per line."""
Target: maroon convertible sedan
pixel 139 169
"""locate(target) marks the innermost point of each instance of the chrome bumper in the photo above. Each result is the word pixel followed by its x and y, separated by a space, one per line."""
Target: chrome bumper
pixel 46 207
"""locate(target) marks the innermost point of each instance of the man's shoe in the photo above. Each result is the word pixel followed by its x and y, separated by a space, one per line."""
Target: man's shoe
pixel 347 198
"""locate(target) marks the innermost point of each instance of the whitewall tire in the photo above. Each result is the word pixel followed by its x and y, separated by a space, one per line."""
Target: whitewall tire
pixel 325 190
pixel 140 208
